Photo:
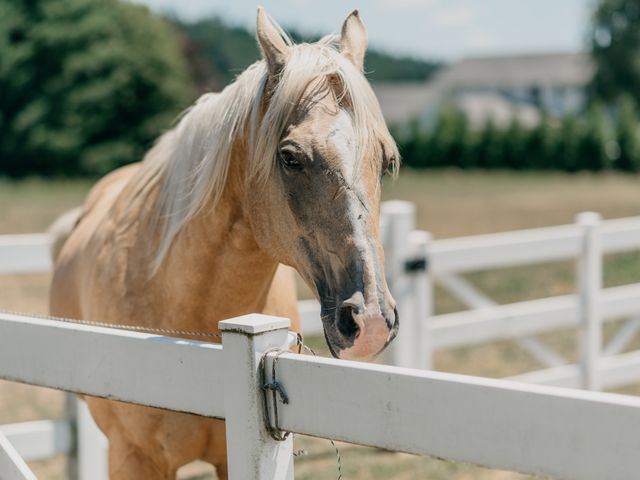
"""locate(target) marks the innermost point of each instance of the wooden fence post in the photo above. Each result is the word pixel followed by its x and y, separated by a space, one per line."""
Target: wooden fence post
pixel 589 279
pixel 251 452
pixel 400 222
pixel 422 297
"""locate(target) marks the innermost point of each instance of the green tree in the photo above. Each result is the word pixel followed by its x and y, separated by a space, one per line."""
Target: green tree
pixel 625 150
pixel 224 51
pixel 596 133
pixel 449 142
pixel 227 50
pixel 489 146
pixel 85 85
pixel 413 144
pixel 615 40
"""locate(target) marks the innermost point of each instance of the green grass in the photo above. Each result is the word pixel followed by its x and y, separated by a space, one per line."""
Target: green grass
pixel 32 205
pixel 449 203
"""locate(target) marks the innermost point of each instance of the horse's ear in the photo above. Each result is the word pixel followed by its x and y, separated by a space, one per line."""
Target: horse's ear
pixel 353 40
pixel 274 48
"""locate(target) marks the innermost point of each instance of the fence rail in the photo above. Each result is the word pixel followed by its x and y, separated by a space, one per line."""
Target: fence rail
pixel 499 424
pixel 514 320
pixel 12 465
pixel 151 361
pixel 40 439
pixel 526 247
pixel 25 254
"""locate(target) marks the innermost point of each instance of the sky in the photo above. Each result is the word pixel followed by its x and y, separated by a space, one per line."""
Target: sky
pixel 434 29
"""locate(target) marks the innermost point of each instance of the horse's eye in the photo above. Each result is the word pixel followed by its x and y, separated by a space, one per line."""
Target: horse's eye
pixel 289 160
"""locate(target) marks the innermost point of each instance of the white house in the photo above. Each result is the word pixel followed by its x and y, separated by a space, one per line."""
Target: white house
pixel 500 87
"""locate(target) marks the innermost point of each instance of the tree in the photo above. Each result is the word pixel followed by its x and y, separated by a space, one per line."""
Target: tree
pixel 626 149
pixel 449 142
pixel 227 50
pixel 85 85
pixel 615 41
pixel 489 151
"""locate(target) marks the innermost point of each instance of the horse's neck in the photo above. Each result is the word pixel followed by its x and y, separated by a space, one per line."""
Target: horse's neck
pixel 215 269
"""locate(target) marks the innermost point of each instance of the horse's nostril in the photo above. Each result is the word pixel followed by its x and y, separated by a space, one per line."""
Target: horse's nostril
pixel 345 322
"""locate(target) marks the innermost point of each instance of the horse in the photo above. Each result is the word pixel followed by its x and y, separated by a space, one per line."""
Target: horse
pixel 281 170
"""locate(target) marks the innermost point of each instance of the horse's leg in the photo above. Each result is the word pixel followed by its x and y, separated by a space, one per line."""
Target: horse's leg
pixel 216 453
pixel 148 443
pixel 221 470
pixel 128 459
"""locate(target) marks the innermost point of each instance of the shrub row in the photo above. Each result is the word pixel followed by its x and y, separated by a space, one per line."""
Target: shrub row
pixel 600 139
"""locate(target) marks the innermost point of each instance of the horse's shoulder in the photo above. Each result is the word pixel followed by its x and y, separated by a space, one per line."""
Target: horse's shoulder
pixel 91 250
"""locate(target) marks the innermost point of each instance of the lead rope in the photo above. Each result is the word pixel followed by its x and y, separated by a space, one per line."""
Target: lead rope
pixel 135 328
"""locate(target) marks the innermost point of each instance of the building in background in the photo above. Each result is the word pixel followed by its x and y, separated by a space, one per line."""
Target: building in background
pixel 501 88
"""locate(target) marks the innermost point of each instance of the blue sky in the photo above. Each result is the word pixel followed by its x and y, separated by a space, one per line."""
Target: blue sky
pixel 444 29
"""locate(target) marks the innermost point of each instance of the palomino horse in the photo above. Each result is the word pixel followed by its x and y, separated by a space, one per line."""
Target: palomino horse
pixel 284 167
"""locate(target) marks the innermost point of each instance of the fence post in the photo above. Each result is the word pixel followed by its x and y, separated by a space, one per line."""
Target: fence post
pixel 400 219
pixel 92 446
pixel 251 452
pixel 422 297
pixel 589 279
pixel 71 416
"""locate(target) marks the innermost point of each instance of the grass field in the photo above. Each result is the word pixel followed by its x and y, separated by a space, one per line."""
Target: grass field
pixel 449 204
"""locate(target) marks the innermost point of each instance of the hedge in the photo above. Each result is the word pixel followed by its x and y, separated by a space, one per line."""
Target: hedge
pixel 600 139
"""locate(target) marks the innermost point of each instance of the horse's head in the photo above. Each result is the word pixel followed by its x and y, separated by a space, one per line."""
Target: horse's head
pixel 317 206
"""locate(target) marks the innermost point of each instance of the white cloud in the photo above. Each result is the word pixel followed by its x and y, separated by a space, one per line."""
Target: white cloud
pixel 454 17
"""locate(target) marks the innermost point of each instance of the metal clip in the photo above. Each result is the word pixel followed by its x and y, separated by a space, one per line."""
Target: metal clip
pixel 416 265
pixel 277 387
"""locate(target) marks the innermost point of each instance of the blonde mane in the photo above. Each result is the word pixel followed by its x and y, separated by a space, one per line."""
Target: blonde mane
pixel 191 162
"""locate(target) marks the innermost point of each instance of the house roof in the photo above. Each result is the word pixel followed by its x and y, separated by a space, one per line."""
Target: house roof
pixel 402 101
pixel 555 69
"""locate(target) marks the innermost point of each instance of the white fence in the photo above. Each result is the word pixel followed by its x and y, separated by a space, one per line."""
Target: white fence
pixel 418 395
pixel 495 423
